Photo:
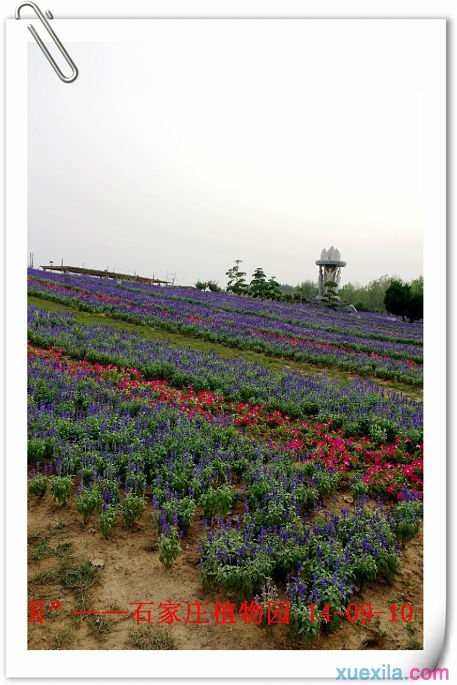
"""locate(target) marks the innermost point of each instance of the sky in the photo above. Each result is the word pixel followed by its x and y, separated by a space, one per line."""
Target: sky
pixel 264 141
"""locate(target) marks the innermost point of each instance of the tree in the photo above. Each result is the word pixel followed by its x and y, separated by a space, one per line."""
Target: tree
pixel 201 285
pixel 236 279
pixel 331 293
pixel 397 298
pixel 368 297
pixel 415 310
pixel 303 292
pixel 417 286
pixel 214 287
pixel 258 286
pixel 273 289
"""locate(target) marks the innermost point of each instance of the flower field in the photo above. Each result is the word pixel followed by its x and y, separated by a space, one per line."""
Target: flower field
pixel 389 350
pixel 279 484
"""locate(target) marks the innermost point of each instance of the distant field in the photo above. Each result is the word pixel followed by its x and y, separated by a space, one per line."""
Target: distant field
pixel 192 446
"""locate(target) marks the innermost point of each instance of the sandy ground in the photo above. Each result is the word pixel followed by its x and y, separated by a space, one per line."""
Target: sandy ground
pixel 127 569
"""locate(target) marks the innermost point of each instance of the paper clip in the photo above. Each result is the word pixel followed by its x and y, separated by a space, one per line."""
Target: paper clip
pixel 50 30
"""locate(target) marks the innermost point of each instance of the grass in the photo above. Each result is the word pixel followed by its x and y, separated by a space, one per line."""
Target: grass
pixel 99 626
pixel 45 577
pixel 78 578
pixel 62 639
pixel 146 638
pixel 180 340
pixel 42 550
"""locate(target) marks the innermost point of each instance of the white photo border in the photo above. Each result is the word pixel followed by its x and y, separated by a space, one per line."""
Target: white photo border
pixel 221 663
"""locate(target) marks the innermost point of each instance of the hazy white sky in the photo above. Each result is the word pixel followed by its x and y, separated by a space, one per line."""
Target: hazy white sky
pixel 216 140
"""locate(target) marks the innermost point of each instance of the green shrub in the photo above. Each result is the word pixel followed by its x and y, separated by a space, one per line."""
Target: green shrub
pixel 306 496
pixel 107 521
pixel 225 566
pixel 326 482
pixel 158 371
pixel 388 564
pixel 38 485
pixel 359 489
pixel 169 547
pixel 39 450
pixel 217 501
pixel 132 507
pixel 301 623
pixel 87 474
pixel 88 502
pixel 61 487
pixel 183 509
pixel 406 519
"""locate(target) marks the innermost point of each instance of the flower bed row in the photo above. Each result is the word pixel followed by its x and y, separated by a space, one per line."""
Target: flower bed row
pixel 245 331
pixel 391 463
pixel 235 379
pixel 373 326
pixel 123 441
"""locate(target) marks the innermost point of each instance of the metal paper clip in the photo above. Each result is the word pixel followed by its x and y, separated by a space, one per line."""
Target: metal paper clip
pixel 50 30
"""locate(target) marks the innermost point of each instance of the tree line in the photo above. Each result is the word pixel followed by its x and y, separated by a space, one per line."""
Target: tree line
pixel 383 294
pixel 259 286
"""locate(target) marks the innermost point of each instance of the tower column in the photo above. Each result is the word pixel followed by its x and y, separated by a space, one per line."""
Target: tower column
pixel 330 265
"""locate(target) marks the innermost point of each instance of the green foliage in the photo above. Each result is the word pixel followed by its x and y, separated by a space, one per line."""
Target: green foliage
pixel 87 474
pixel 388 564
pixel 396 297
pixel 359 489
pixel 406 519
pixel 38 485
pixel 415 310
pixel 39 450
pixel 88 502
pixel 405 299
pixel 262 288
pixel 183 509
pixel 107 521
pixel 258 284
pixel 214 287
pixel 307 496
pixel 303 292
pixel 43 393
pixel 368 297
pixel 132 507
pixel 364 568
pixel 378 429
pixel 169 547
pixel 158 371
pixel 330 296
pixel 301 623
pixel 239 574
pixel 79 578
pixel 61 487
pixel 326 482
pixel 217 501
pixel 273 289
pixel 80 399
pixel 236 282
